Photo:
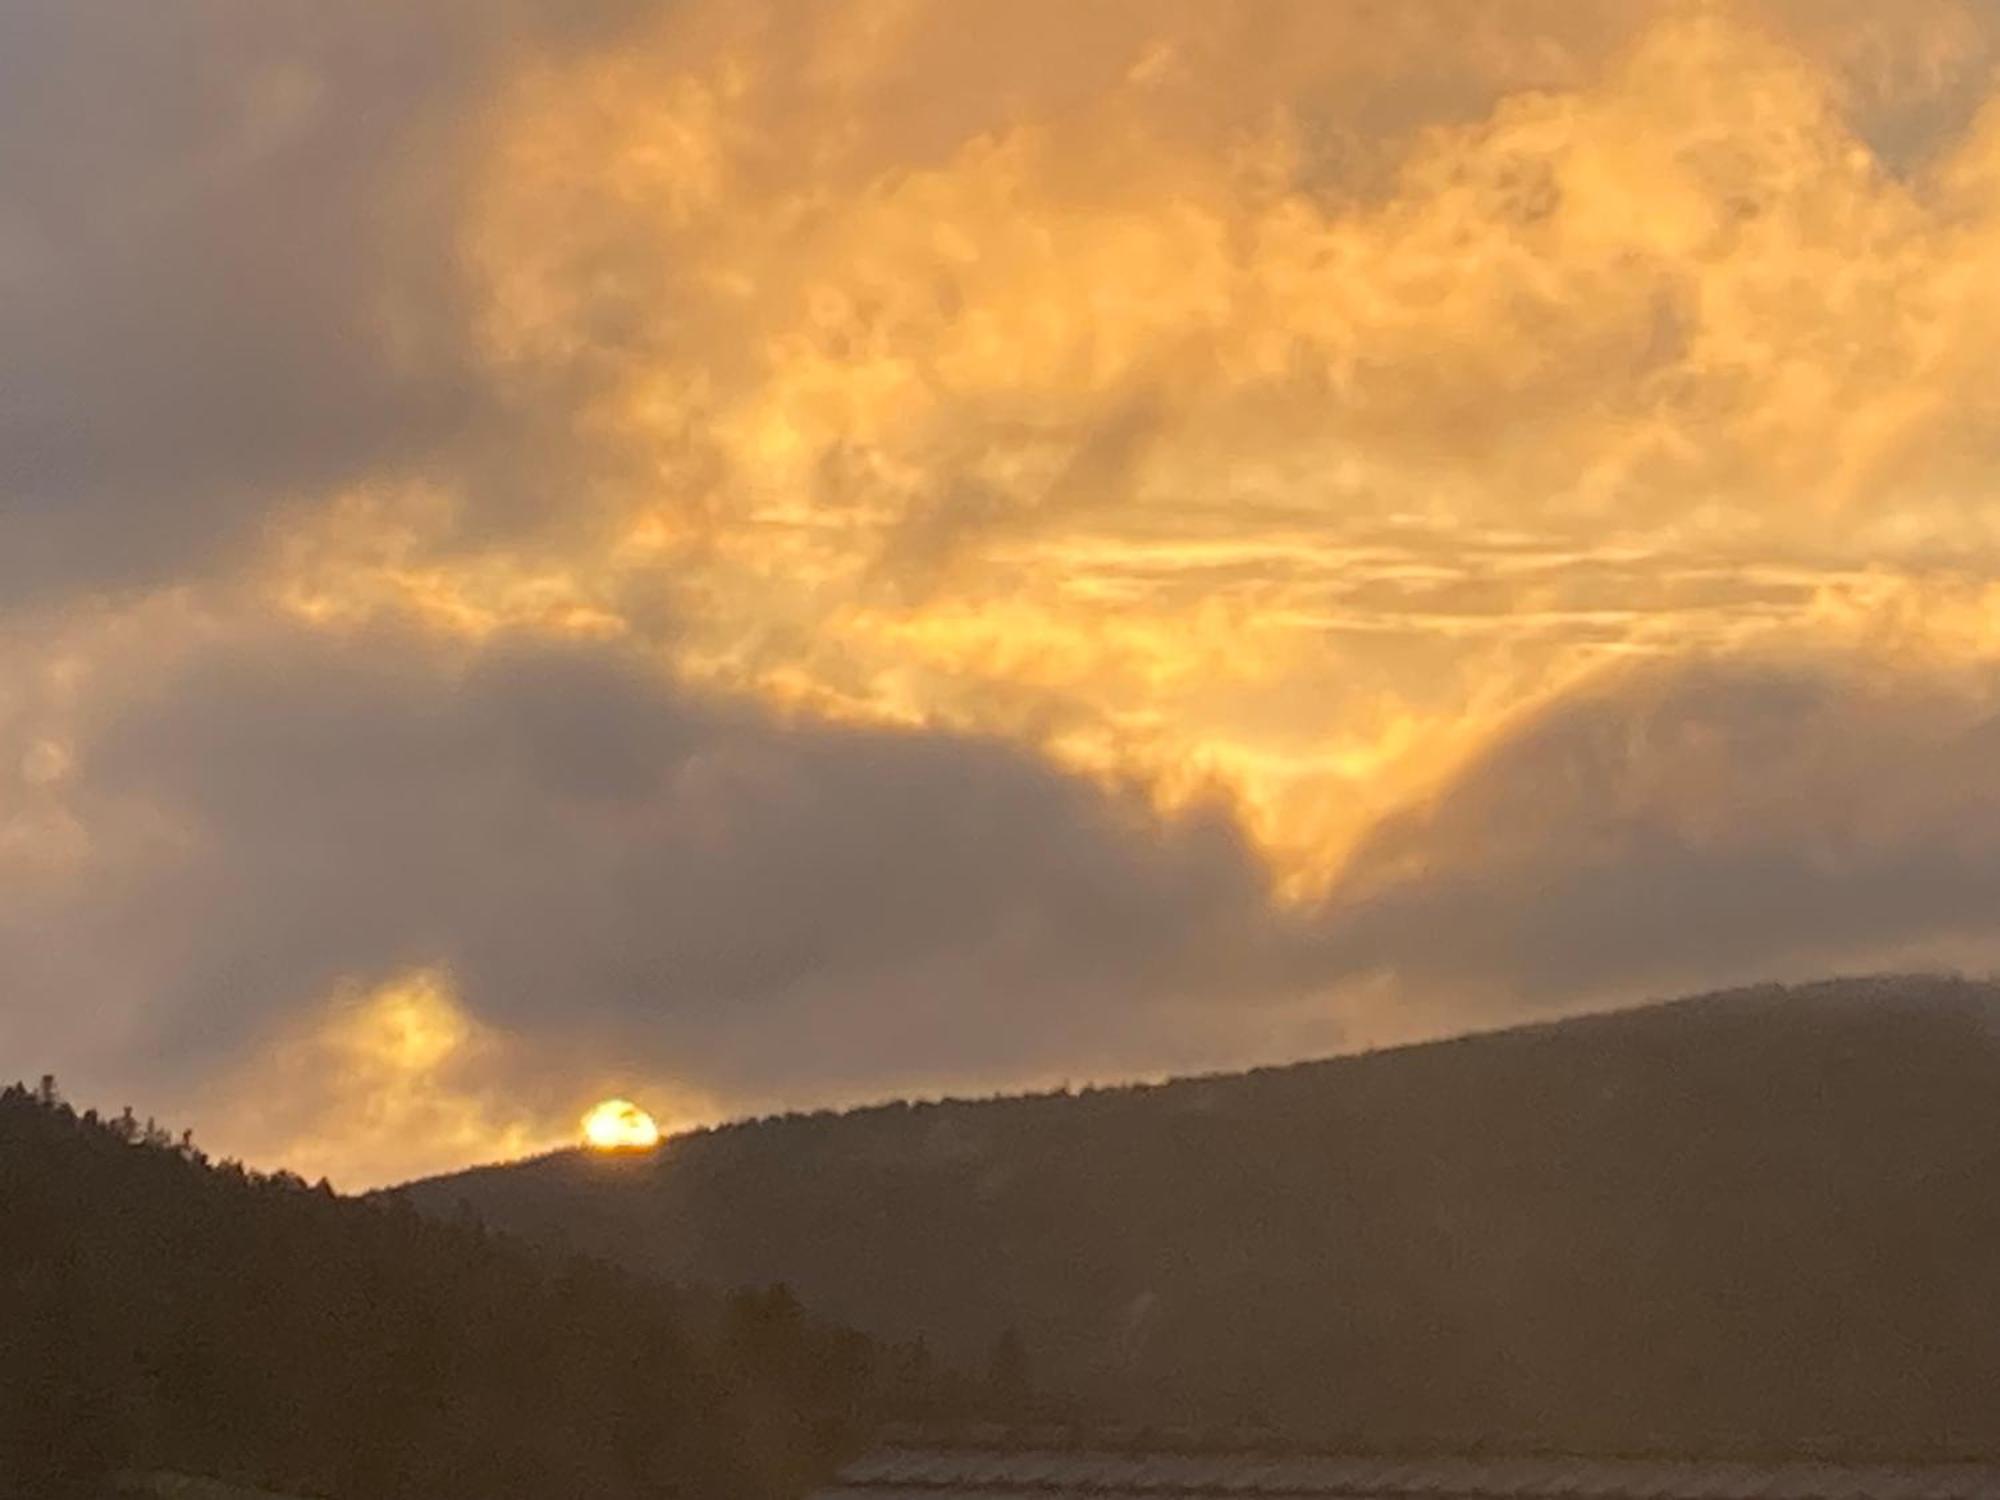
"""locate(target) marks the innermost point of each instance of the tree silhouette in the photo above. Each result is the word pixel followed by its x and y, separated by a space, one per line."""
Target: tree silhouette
pixel 159 1312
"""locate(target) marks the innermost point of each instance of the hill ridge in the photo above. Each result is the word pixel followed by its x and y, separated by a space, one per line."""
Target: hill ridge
pixel 1767 1215
pixel 1836 987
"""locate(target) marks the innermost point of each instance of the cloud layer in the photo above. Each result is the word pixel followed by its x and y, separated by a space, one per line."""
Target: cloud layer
pixel 774 556
pixel 620 879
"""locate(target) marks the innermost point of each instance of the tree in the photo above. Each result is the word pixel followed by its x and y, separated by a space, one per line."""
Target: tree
pixel 160 1313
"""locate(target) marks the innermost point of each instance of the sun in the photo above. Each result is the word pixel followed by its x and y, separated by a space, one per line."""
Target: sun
pixel 619 1125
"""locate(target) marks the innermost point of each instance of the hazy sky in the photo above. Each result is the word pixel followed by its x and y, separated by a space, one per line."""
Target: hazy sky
pixel 755 554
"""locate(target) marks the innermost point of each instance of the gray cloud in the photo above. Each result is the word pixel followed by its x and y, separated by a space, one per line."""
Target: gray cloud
pixel 622 875
pixel 228 269
pixel 603 861
pixel 1668 829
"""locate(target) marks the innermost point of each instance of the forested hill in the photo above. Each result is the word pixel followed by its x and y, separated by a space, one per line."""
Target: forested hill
pixel 1762 1220
pixel 160 1313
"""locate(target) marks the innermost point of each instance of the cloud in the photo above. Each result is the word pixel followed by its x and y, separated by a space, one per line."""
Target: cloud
pixel 375 901
pixel 800 553
pixel 228 274
pixel 614 874
pixel 1189 400
pixel 1670 829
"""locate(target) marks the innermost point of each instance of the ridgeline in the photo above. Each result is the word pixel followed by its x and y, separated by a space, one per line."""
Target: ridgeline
pixel 1764 1221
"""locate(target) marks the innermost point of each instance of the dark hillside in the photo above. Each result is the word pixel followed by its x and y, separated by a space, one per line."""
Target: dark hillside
pixel 1767 1219
pixel 161 1313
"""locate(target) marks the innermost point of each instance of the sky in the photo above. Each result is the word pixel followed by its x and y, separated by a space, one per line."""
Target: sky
pixel 757 556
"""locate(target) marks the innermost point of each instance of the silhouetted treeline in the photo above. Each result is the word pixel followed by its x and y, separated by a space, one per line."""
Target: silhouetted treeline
pixel 1763 1221
pixel 162 1312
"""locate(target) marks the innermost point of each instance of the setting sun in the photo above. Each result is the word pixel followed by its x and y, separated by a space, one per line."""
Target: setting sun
pixel 619 1125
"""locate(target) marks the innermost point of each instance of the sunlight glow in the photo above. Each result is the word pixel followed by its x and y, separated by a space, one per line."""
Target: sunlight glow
pixel 619 1125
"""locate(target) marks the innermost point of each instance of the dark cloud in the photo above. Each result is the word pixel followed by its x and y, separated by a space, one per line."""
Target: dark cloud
pixel 771 907
pixel 611 864
pixel 228 278
pixel 620 873
pixel 1670 829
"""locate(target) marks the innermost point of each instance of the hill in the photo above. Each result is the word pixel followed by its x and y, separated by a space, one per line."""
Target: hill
pixel 1763 1220
pixel 163 1313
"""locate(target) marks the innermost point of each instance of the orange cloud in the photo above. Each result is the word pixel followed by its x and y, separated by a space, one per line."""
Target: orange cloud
pixel 1179 434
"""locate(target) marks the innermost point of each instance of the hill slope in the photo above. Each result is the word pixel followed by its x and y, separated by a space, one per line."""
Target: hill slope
pixel 160 1312
pixel 1767 1219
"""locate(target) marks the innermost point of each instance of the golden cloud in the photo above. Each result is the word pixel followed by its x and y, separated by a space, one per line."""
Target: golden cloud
pixel 1179 407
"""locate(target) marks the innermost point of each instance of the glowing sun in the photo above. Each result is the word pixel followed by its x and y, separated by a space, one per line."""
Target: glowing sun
pixel 619 1125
